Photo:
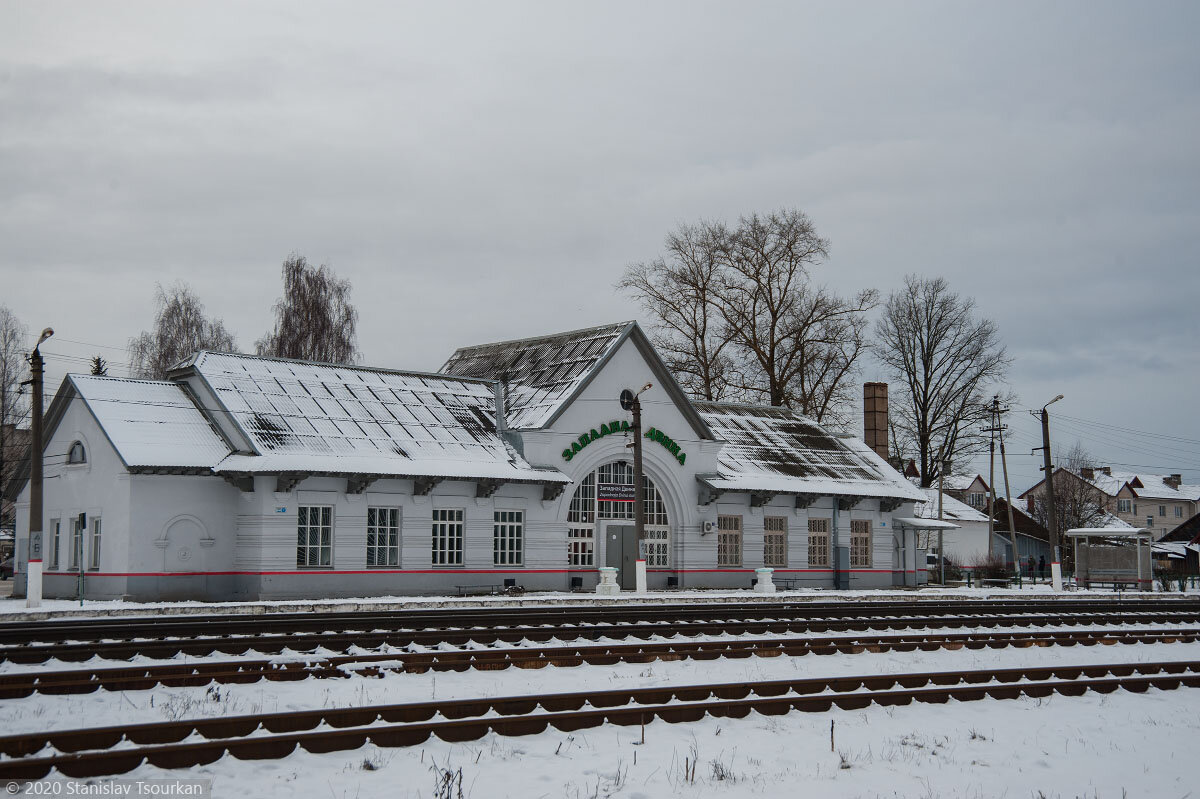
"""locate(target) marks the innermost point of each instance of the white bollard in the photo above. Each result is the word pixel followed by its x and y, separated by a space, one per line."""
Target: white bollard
pixel 1056 575
pixel 640 576
pixel 608 581
pixel 33 584
pixel 763 584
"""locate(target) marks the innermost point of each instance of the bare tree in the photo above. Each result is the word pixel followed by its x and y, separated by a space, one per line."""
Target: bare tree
pixel 1078 502
pixel 679 290
pixel 314 320
pixel 737 313
pixel 944 358
pixel 180 329
pixel 14 337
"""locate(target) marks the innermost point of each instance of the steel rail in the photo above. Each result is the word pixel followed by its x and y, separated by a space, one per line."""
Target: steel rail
pixel 96 752
pixel 270 643
pixel 82 681
pixel 127 628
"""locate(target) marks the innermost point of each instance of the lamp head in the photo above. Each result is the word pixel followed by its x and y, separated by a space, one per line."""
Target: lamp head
pixel 1051 402
pixel 47 333
pixel 646 388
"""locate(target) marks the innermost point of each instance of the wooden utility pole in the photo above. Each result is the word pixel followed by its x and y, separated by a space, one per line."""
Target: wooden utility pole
pixel 1056 562
pixel 1012 530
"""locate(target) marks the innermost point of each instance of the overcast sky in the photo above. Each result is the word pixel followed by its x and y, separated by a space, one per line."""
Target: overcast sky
pixel 485 172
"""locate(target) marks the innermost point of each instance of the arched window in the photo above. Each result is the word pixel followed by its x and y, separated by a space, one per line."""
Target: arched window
pixel 586 510
pixel 77 454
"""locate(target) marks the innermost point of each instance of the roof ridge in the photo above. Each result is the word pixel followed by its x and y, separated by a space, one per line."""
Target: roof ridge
pixel 613 326
pixel 356 367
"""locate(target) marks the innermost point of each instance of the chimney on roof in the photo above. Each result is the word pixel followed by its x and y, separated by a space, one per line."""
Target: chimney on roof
pixel 1087 473
pixel 1107 470
pixel 1174 480
pixel 875 417
pixel 501 423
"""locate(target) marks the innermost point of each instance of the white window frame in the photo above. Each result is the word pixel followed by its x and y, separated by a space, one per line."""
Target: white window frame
pixel 860 543
pixel 383 536
pixel 72 459
pixel 658 547
pixel 94 545
pixel 1124 505
pixel 320 554
pixel 818 543
pixel 775 542
pixel 1178 511
pixel 75 556
pixel 586 512
pixel 1162 510
pixel 56 526
pixel 447 538
pixel 729 541
pixel 508 538
pixel 581 545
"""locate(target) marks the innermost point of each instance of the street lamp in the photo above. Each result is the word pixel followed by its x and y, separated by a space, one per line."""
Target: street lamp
pixel 1051 516
pixel 33 581
pixel 630 402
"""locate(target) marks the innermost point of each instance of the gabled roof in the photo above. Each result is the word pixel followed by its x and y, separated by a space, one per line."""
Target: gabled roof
pixel 1141 485
pixel 544 374
pixel 961 482
pixel 952 509
pixel 151 423
pixel 332 418
pixel 1187 533
pixel 777 450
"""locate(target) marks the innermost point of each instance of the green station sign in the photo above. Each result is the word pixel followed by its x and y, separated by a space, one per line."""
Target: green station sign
pixel 608 428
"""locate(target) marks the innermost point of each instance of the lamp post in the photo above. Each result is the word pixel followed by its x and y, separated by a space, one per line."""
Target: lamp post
pixel 33 586
pixel 1056 563
pixel 632 403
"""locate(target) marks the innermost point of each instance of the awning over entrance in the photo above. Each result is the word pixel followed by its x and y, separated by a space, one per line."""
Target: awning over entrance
pixel 924 524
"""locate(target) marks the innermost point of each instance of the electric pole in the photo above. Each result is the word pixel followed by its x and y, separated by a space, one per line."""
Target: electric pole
pixel 632 403
pixel 33 580
pixel 1012 530
pixel 1056 563
pixel 991 431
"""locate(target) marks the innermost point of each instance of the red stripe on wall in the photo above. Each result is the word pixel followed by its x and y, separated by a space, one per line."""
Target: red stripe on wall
pixel 496 572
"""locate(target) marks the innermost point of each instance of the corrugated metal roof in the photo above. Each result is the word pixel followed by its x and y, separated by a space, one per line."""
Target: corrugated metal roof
pixel 775 449
pixel 151 422
pixel 540 373
pixel 303 416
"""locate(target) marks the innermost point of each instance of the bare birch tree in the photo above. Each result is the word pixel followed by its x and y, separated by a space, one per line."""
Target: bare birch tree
pixel 314 320
pixel 943 358
pixel 1077 501
pixel 14 338
pixel 740 317
pixel 679 290
pixel 180 329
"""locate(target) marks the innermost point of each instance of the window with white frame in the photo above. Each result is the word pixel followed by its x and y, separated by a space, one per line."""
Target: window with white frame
pixel 1124 506
pixel 1135 509
pixel 587 511
pixel 775 541
pixel 94 552
pixel 1149 521
pixel 818 543
pixel 508 538
pixel 55 529
pixel 383 537
pixel 76 544
pixel 314 537
pixel 975 499
pixel 1178 511
pixel 729 540
pixel 1162 510
pixel 860 544
pixel 76 454
pixel 447 537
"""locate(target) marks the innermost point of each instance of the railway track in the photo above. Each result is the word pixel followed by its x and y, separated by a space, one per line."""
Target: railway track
pixel 117 750
pixel 533 630
pixel 242 671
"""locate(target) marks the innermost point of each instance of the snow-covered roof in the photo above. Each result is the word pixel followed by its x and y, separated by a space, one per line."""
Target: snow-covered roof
pixel 151 422
pixel 952 509
pixel 1143 485
pixel 541 374
pixel 961 482
pixel 921 523
pixel 304 416
pixel 775 449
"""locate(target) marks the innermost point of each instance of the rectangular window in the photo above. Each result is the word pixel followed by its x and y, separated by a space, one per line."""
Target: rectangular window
pixel 975 500
pixel 729 540
pixel 1162 510
pixel 94 554
pixel 383 537
pixel 447 537
pixel 775 541
pixel 581 546
pixel 860 544
pixel 818 543
pixel 1178 511
pixel 314 537
pixel 1123 506
pixel 1135 509
pixel 658 548
pixel 1149 521
pixel 508 538
pixel 76 543
pixel 55 529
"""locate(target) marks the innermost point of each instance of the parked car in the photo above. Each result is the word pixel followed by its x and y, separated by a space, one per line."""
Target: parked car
pixel 6 569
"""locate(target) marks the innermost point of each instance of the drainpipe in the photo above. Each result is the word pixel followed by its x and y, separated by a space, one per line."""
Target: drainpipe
pixel 833 544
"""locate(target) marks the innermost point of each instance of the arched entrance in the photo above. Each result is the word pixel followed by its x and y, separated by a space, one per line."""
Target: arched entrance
pixel 592 519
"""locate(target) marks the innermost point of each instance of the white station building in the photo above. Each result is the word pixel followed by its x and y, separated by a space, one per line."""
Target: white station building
pixel 242 477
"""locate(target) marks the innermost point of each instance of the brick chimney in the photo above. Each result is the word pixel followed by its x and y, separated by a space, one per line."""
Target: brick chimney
pixel 1107 470
pixel 1174 480
pixel 1087 473
pixel 875 417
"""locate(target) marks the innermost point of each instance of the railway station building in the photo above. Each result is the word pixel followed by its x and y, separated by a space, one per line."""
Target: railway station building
pixel 241 477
